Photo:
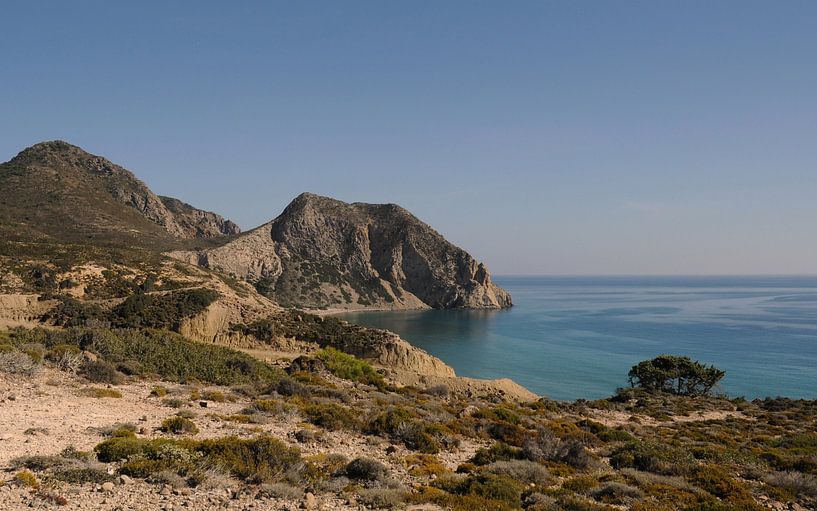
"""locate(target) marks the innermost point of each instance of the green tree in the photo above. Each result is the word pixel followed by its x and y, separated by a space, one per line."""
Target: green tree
pixel 676 375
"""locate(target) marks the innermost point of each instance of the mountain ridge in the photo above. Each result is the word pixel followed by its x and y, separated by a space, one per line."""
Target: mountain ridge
pixel 59 191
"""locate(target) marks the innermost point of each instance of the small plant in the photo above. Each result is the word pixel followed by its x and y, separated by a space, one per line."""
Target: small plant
pixel 100 393
pixel 27 479
pixel 330 416
pixel 178 425
pixel 158 391
pixel 366 469
pixel 100 371
pixel 213 395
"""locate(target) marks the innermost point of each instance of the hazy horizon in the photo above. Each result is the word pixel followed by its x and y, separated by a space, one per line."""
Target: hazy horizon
pixel 546 138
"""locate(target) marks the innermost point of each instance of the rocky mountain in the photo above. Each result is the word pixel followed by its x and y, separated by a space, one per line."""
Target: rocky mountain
pixel 57 191
pixel 324 253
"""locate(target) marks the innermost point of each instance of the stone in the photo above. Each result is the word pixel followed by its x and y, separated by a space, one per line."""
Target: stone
pixel 123 479
pixel 107 487
pixel 379 251
pixel 309 502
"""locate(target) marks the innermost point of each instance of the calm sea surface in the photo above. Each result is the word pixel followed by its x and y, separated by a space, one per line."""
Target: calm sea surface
pixel 576 337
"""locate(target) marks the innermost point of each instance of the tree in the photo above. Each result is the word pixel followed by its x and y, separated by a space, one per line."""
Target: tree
pixel 676 375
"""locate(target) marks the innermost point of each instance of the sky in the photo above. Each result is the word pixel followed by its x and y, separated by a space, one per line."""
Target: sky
pixel 544 137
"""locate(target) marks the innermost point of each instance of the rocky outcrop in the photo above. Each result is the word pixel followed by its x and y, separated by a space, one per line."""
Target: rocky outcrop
pixel 199 223
pixel 59 190
pixel 324 253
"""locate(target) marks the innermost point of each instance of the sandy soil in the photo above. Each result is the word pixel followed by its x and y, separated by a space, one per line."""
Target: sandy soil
pixel 44 414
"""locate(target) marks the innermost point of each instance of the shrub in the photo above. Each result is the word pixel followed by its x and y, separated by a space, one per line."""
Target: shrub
pixel 214 395
pixel 793 482
pixel 162 311
pixel 84 474
pixel 100 393
pixel 660 459
pixel 330 416
pixel 72 312
pixel 178 425
pixel 497 452
pixel 290 387
pixel 100 371
pixel 381 498
pixel 676 375
pixel 169 355
pixel 487 486
pixel 260 459
pixel 616 493
pixel 16 362
pixel 26 478
pixel 366 469
pixel 521 470
pixel 158 391
pixel 717 482
pixel 544 446
pixel 349 367
pixel 66 357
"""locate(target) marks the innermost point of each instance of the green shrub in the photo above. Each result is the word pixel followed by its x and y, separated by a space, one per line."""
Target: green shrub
pixel 100 371
pixel 330 416
pixel 163 311
pixel 178 425
pixel 649 457
pixel 260 459
pixel 349 367
pixel 497 452
pixel 487 486
pixel 72 312
pixel 525 471
pixel 366 469
pixel 84 474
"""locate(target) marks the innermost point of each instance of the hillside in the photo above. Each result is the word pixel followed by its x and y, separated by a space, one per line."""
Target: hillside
pixel 57 192
pixel 324 253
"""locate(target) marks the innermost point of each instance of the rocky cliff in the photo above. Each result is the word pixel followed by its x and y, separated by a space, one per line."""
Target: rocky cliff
pixel 324 253
pixel 61 192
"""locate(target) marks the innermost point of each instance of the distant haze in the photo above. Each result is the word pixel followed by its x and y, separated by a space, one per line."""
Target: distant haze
pixel 542 137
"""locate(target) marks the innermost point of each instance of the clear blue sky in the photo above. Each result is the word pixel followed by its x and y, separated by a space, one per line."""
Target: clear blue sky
pixel 655 137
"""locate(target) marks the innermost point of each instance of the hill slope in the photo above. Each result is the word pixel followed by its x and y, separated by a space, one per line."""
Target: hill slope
pixel 324 253
pixel 54 191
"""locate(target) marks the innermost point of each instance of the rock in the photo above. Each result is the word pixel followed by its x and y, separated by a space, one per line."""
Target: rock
pixel 107 487
pixel 309 502
pixel 370 255
pixel 123 479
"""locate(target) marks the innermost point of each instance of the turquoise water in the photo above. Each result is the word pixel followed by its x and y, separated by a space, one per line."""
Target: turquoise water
pixel 576 337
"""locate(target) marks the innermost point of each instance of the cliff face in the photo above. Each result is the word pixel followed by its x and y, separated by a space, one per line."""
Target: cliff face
pixel 59 191
pixel 322 252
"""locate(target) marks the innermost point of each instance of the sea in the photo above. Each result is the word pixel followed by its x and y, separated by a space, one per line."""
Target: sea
pixel 574 338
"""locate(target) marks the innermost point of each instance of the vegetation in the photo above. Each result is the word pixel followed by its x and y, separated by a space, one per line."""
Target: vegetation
pixel 349 367
pixel 163 311
pixel 153 352
pixel 677 375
